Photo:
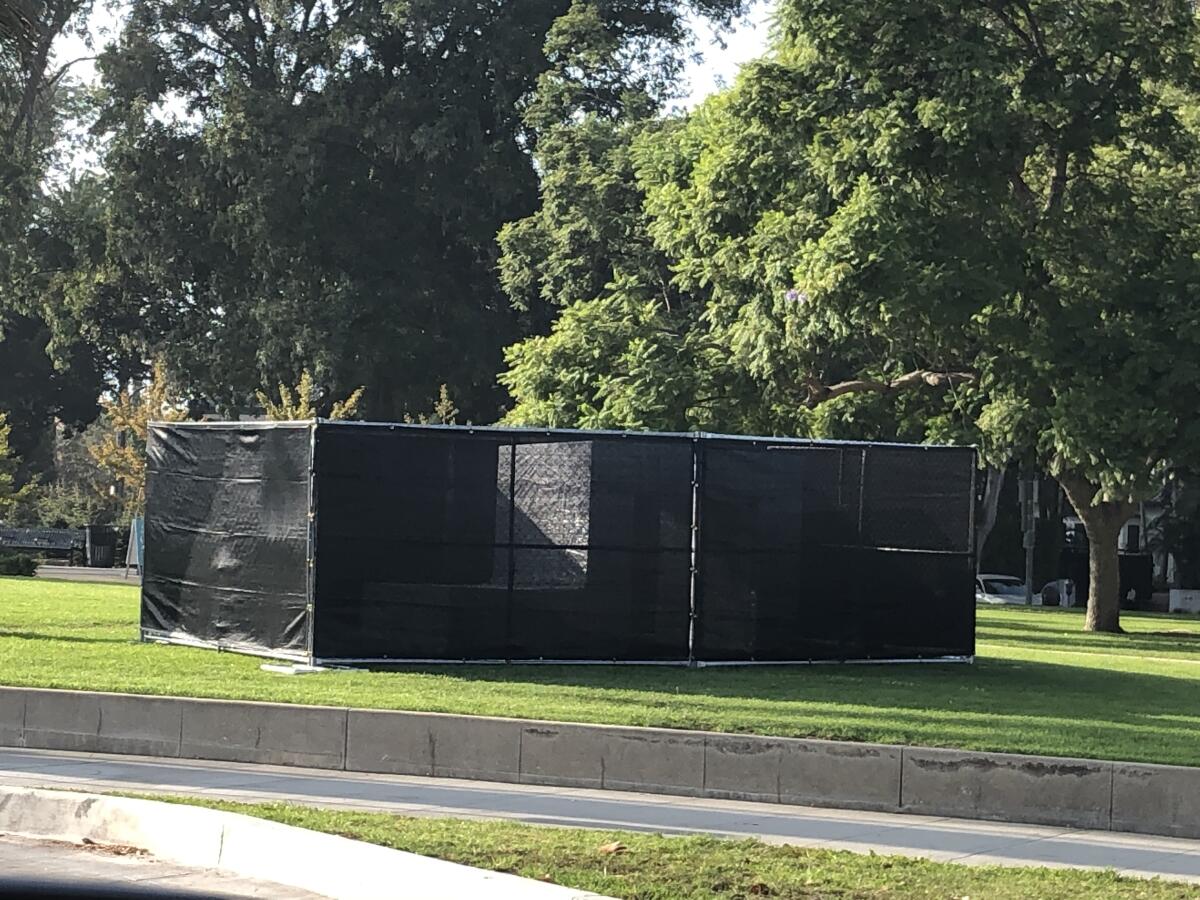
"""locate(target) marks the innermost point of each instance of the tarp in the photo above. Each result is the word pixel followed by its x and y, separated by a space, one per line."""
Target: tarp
pixel 227 545
pixel 444 543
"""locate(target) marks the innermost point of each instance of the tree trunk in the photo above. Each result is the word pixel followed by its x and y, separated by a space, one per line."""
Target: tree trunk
pixel 1102 521
pixel 987 518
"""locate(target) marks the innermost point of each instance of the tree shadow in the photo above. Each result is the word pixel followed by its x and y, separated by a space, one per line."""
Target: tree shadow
pixel 1004 705
pixel 38 636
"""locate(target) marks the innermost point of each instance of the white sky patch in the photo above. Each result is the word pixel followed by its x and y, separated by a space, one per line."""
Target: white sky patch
pixel 101 29
pixel 747 41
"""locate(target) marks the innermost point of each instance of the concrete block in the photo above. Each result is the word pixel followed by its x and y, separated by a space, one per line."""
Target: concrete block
pixel 835 773
pixel 1037 789
pixel 742 768
pixel 277 734
pixel 1156 799
pixel 388 742
pixel 12 717
pixel 62 720
pixel 466 747
pixel 445 746
pixel 143 726
pixel 654 760
pixel 564 755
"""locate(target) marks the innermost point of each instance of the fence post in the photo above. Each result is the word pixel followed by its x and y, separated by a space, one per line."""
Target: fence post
pixel 694 583
pixel 859 560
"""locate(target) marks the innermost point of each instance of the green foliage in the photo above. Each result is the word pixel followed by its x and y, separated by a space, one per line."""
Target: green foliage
pixel 302 402
pixel 58 505
pixel 444 411
pixel 38 102
pixel 991 207
pixel 21 564
pixel 337 174
pixel 35 392
pixel 13 497
pixel 626 349
pixel 119 448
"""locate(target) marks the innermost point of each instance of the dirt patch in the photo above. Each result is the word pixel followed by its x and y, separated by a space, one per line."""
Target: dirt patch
pixel 113 849
pixel 86 844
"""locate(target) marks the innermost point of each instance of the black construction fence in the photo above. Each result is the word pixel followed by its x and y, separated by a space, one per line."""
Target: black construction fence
pixel 353 542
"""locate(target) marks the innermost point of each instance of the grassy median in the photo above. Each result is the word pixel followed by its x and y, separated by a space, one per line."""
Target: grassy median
pixel 1039 685
pixel 651 867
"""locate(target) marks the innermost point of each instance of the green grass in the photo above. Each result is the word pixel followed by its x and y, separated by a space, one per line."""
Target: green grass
pixel 652 867
pixel 1040 685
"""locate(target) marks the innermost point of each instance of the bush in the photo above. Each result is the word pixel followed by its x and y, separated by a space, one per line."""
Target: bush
pixel 17 564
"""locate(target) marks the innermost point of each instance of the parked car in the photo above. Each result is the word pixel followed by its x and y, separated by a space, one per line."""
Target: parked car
pixel 1009 589
pixel 999 589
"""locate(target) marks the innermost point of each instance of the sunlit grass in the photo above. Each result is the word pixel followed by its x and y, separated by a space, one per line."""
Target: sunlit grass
pixel 652 867
pixel 1039 685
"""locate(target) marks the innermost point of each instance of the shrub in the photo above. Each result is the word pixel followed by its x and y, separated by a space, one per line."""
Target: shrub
pixel 17 564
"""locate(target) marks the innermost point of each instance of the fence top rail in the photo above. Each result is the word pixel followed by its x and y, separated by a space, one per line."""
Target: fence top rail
pixel 502 430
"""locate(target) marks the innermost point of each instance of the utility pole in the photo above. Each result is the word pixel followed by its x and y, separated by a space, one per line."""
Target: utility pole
pixel 1028 490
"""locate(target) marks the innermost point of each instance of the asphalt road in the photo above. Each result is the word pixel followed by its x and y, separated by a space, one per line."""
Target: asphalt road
pixel 944 839
pixel 48 868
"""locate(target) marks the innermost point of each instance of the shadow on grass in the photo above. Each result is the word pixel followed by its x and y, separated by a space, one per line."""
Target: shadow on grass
pixel 1001 687
pixel 38 636
pixel 1131 645
pixel 1052 708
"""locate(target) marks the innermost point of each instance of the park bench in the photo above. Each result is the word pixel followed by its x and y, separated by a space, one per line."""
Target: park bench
pixel 45 541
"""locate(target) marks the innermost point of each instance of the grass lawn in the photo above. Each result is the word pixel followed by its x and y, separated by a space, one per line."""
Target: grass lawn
pixel 651 867
pixel 1039 684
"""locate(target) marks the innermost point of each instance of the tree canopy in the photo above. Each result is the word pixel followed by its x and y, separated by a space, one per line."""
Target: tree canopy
pixel 320 183
pixel 987 207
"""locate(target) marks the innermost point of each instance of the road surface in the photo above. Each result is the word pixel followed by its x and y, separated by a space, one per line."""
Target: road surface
pixel 943 839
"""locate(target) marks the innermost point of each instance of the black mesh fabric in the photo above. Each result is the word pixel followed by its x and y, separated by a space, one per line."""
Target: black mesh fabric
pixel 500 545
pixel 227 535
pixel 832 552
pixel 434 543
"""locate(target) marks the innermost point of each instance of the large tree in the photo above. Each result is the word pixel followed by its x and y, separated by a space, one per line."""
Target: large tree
pixel 38 381
pixel 984 204
pixel 320 183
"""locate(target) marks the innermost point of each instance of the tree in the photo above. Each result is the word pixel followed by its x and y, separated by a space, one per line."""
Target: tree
pixel 337 172
pixel 302 403
pixel 10 496
pixel 120 449
pixel 37 99
pixel 616 343
pixel 991 202
pixel 969 219
pixel 36 392
pixel 35 93
pixel 633 340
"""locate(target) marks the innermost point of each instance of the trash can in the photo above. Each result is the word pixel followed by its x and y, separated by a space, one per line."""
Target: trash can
pixel 101 542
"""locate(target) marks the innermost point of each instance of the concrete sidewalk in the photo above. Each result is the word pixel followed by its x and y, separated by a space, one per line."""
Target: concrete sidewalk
pixel 40 866
pixel 943 839
pixel 83 573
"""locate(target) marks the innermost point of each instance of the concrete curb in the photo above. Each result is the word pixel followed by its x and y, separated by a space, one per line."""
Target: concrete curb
pixel 255 848
pixel 1075 793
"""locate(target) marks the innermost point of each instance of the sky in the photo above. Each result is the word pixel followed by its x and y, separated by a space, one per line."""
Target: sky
pixel 720 65
pixel 718 68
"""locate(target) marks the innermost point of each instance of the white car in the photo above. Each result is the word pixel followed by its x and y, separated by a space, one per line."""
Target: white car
pixel 1000 589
